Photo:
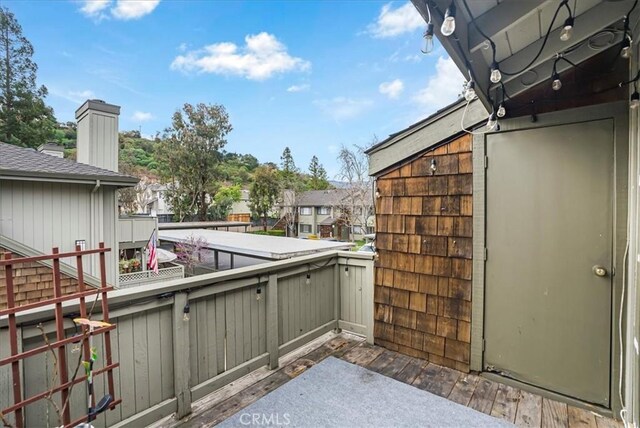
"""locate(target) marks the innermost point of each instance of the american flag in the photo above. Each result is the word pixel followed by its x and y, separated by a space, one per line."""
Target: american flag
pixel 152 263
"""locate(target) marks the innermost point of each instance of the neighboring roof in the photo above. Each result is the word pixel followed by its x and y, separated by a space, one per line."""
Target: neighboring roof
pixel 51 146
pixel 27 163
pixel 258 246
pixel 437 128
pixel 328 221
pixel 320 198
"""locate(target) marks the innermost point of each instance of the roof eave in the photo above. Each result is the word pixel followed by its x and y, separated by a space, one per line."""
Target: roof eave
pixel 124 181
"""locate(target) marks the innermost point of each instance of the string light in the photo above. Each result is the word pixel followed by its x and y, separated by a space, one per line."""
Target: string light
pixel 567 29
pixel 556 84
pixel 470 91
pixel 428 35
pixel 492 123
pixel 496 76
pixel 449 22
pixel 634 101
pixel 626 50
pixel 501 111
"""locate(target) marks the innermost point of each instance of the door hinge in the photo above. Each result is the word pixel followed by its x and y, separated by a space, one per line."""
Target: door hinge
pixel 486 162
pixel 484 345
pixel 486 254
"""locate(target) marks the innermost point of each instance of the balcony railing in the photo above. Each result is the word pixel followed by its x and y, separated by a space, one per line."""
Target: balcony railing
pixel 236 322
pixel 135 279
pixel 136 230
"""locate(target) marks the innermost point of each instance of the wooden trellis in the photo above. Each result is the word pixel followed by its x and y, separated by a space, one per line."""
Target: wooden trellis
pixel 64 384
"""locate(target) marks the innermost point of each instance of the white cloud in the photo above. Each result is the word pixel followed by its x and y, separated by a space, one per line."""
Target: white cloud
pixel 80 96
pixel 123 9
pixel 394 22
pixel 182 47
pixel 391 89
pixel 94 8
pixel 262 57
pixel 342 108
pixel 298 88
pixel 442 88
pixel 133 9
pixel 141 116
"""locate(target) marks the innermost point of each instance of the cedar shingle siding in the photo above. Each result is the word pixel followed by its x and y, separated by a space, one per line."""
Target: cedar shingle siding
pixel 32 283
pixel 423 275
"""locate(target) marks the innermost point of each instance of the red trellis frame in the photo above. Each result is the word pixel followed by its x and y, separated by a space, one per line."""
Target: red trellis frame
pixel 64 384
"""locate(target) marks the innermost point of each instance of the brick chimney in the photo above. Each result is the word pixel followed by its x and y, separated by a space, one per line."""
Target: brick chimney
pixel 97 142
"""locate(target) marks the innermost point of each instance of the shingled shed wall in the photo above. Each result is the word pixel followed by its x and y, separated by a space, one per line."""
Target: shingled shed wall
pixel 424 242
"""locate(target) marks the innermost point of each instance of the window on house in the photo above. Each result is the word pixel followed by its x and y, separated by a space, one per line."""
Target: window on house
pixel 305 228
pixel 323 210
pixel 305 210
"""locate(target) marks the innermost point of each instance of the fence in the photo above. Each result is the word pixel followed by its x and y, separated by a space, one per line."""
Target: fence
pixel 148 276
pixel 178 341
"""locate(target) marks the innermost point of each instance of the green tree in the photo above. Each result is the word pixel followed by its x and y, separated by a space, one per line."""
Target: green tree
pixel 317 176
pixel 289 173
pixel 223 201
pixel 25 119
pixel 189 156
pixel 264 193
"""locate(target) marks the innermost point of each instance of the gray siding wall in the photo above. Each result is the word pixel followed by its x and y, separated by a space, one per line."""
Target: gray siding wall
pixel 44 215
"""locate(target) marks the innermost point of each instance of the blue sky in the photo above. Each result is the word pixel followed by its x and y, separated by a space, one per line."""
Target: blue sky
pixel 311 75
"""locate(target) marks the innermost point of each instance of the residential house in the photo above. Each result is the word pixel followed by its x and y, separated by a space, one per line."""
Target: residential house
pixel 47 201
pixel 156 202
pixel 240 210
pixel 508 224
pixel 333 213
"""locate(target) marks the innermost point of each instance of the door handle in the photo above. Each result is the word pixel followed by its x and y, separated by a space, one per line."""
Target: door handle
pixel 599 271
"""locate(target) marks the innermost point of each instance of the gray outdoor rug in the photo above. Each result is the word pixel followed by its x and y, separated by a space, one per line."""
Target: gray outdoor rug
pixel 335 393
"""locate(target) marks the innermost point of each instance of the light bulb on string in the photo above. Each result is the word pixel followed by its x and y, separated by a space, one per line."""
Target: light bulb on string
pixel 634 101
pixel 492 122
pixel 496 76
pixel 428 39
pixel 567 30
pixel 625 52
pixel 501 111
pixel 449 22
pixel 556 84
pixel 470 91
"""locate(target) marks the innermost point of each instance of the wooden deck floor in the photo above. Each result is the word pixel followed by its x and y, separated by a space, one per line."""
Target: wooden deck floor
pixel 501 401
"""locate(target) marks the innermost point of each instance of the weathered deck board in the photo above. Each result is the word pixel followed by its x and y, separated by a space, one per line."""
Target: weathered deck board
pixel 506 403
pixel 499 400
pixel 463 389
pixel 396 366
pixel 445 381
pixel 484 395
pixel 362 354
pixel 383 360
pixel 529 412
pixel 426 380
pixel 554 414
pixel 409 373
pixel 580 418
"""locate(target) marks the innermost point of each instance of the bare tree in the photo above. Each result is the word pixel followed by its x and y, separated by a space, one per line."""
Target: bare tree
pixel 357 205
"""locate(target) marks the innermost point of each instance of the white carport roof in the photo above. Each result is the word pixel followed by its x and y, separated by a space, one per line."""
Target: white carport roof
pixel 257 246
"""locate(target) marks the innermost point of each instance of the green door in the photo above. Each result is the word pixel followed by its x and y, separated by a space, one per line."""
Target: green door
pixel 549 258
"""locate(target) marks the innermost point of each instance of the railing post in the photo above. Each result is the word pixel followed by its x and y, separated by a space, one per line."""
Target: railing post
pixel 368 298
pixel 337 297
pixel 272 321
pixel 181 367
